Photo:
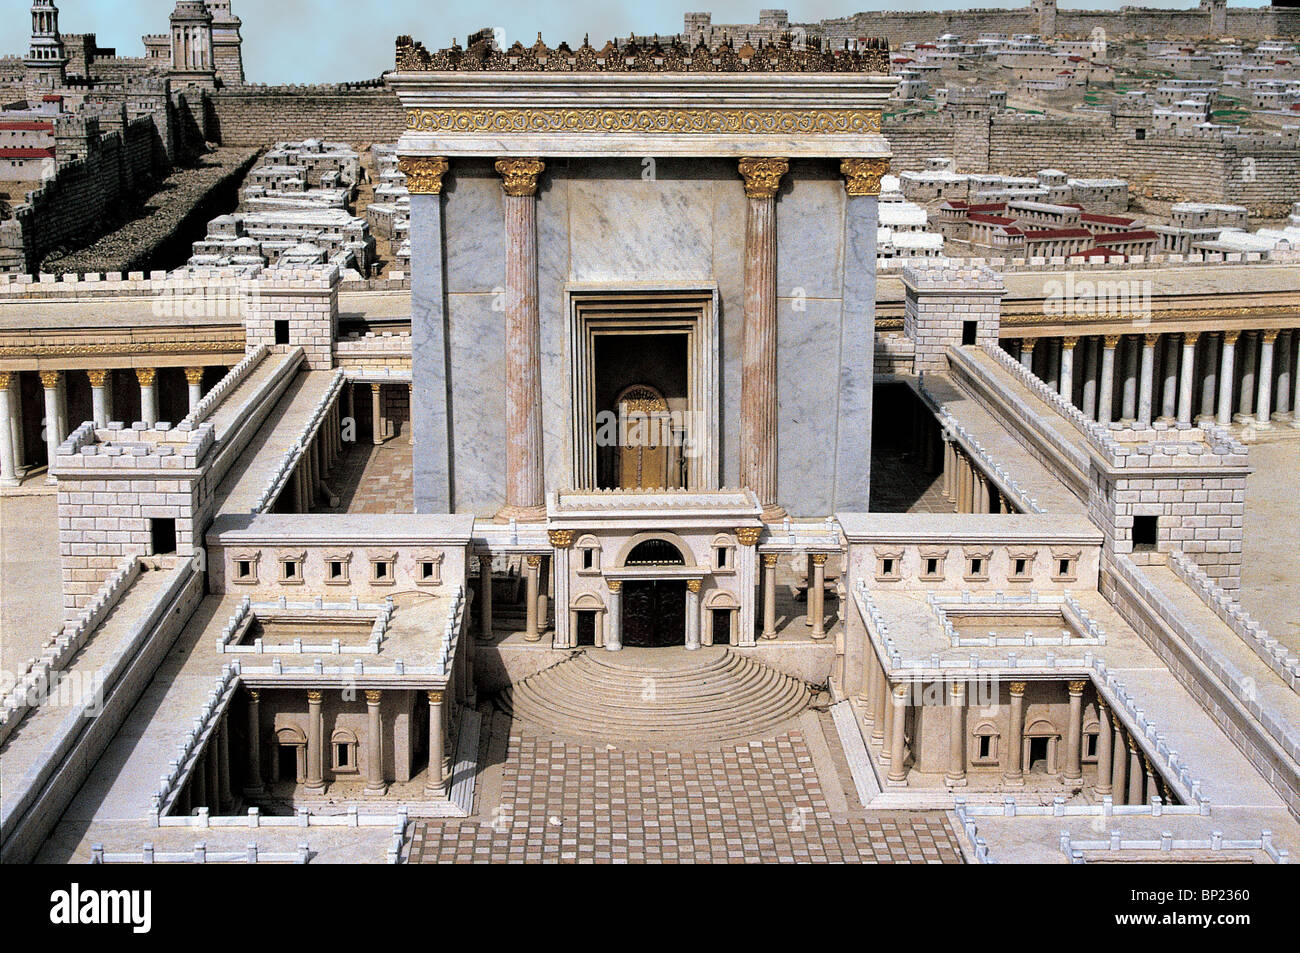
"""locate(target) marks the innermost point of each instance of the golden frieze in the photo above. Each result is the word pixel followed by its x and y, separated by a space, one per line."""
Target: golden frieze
pixel 674 121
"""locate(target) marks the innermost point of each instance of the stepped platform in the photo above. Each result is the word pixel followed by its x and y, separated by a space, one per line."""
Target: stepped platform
pixel 657 698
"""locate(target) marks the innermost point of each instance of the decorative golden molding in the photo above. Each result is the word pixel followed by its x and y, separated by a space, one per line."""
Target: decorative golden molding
pixel 662 120
pixel 234 345
pixel 862 176
pixel 194 375
pixel 749 535
pixel 98 376
pixel 519 176
pixel 1076 688
pixel 423 173
pixel 50 379
pixel 763 176
pixel 146 376
pixel 1143 320
pixel 560 538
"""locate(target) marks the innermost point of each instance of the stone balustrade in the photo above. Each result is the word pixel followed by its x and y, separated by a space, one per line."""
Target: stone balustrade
pixel 232 636
pixel 192 748
pixel 199 855
pixel 225 386
pixel 295 453
pixel 1168 844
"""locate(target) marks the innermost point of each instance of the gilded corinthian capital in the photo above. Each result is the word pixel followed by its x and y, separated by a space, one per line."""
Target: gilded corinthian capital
pixel 763 176
pixel 519 176
pixel 862 176
pixel 423 173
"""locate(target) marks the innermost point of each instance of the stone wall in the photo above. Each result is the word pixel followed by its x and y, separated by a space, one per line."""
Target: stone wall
pixel 940 301
pixel 307 300
pixel 260 115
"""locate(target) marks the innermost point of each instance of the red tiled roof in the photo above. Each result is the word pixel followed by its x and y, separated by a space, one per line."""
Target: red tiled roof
pixel 1138 236
pixel 51 98
pixel 988 207
pixel 1107 219
pixel 26 153
pixel 1047 234
pixel 26 125
pixel 991 219
pixel 1100 251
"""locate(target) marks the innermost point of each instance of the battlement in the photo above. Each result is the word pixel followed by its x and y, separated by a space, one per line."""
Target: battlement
pixel 138 447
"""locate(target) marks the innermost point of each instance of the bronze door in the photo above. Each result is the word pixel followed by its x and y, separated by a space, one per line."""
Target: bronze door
pixel 654 614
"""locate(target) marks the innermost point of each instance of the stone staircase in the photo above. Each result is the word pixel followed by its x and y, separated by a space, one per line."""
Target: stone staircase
pixel 657 697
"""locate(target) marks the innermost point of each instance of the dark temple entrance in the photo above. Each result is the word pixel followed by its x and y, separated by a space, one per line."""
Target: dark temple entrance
pixel 654 613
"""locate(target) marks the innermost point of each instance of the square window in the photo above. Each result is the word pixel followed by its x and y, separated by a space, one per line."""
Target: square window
pixel 976 566
pixel 887 567
pixel 969 331
pixel 1145 533
pixel 428 571
pixel 162 536
pixel 1063 567
pixel 1022 566
pixel 336 572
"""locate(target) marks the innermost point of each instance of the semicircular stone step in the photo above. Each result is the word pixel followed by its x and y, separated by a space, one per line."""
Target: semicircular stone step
pixel 657 696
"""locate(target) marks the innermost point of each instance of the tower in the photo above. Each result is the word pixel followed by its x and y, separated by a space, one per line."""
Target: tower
pixel 192 62
pixel 227 45
pixel 47 60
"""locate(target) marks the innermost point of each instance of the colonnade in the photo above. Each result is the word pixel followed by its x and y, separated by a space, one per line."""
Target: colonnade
pixel 1123 769
pixel 53 410
pixel 816 576
pixel 321 453
pixel 1177 377
pixel 967 486
pixel 210 783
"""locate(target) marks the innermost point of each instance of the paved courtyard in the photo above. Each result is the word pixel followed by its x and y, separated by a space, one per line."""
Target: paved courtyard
pixel 561 802
pixel 31 603
pixel 373 479
pixel 1270 571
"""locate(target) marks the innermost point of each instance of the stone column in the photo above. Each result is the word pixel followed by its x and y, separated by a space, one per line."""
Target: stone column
pixel 435 783
pixel 8 452
pixel 532 632
pixel 147 376
pixel 1104 749
pixel 224 791
pixel 879 700
pixel 758 397
pixel 1295 384
pixel 1264 404
pixel 374 746
pixel 99 396
pixel 1053 364
pixel 817 591
pixel 1147 386
pixel 52 381
pixel 254 786
pixel 1226 380
pixel 1089 378
pixel 1185 377
pixel 1074 735
pixel 1246 403
pixel 614 634
pixel 1015 776
pixel 1282 405
pixel 956 776
pixel 524 477
pixel 1169 390
pixel 1066 382
pixel 485 598
pixel 769 595
pixel 1119 769
pixel 982 498
pixel 1106 392
pixel 1209 377
pixel 1027 354
pixel 1128 399
pixel 315 743
pixel 1134 774
pixel 377 425
pixel 194 379
pixel 897 738
pixel 947 466
pixel 693 614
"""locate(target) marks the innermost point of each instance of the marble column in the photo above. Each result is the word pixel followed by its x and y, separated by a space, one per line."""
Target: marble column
pixel 897 738
pixel 1209 377
pixel 1134 774
pixel 1226 376
pixel 194 381
pixel 430 428
pixel 1169 392
pixel 1246 402
pixel 1089 392
pixel 817 596
pixel 378 426
pixel 99 412
pixel 758 361
pixel 1264 403
pixel 769 595
pixel 212 754
pixel 1104 750
pixel 485 598
pixel 315 743
pixel 1027 354
pixel 1185 380
pixel 532 631
pixel 254 785
pixel 956 776
pixel 1282 406
pixel 525 485
pixel 693 587
pixel 374 746
pixel 224 791
pixel 1128 399
pixel 1073 773
pixel 1015 776
pixel 53 384
pixel 8 452
pixel 614 633
pixel 1147 385
pixel 1106 392
pixel 947 467
pixel 148 378
pixel 1295 384
pixel 879 700
pixel 1066 382
pixel 1119 770
pixel 435 782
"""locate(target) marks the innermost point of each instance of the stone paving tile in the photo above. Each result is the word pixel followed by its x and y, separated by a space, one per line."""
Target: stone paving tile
pixel 899 485
pixel 372 479
pixel 569 803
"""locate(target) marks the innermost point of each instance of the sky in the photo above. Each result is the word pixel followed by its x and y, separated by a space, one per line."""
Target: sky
pixel 324 41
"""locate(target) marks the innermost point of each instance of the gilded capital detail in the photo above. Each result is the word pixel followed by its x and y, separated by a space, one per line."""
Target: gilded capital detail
pixel 519 176
pixel 98 378
pixel 373 696
pixel 423 173
pixel 763 176
pixel 561 538
pixel 862 176
pixel 749 535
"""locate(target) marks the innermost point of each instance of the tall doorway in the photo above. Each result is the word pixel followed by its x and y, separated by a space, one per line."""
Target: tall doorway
pixel 642 407
pixel 654 613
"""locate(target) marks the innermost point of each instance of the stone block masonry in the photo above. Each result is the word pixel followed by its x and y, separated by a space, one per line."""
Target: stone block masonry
pixel 298 308
pixel 948 305
pixel 260 115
